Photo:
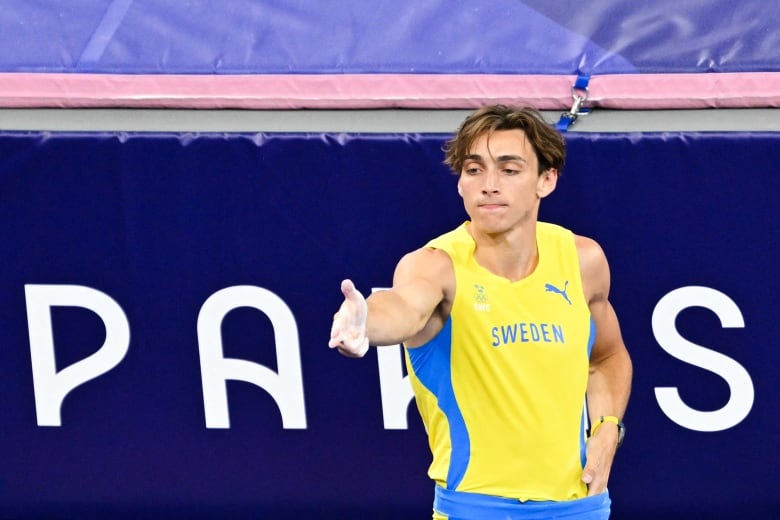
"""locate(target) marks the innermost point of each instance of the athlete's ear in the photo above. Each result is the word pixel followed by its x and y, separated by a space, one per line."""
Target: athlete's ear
pixel 460 191
pixel 547 182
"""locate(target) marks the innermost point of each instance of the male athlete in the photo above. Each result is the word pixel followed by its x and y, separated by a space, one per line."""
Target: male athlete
pixel 514 352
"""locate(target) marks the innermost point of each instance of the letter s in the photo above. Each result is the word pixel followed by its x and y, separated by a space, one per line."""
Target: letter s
pixel 738 379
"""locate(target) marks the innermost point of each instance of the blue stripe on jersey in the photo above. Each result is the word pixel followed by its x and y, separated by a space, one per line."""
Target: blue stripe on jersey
pixel 583 435
pixel 432 366
pixel 592 338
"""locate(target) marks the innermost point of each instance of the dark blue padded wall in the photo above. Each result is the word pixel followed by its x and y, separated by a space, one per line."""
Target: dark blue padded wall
pixel 163 224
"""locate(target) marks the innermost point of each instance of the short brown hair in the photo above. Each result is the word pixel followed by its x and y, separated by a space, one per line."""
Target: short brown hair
pixel 548 143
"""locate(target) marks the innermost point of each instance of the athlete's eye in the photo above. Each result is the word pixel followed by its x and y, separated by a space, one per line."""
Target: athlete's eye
pixel 471 170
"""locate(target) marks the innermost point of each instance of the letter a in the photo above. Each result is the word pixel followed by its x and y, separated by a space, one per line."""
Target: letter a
pixel 286 386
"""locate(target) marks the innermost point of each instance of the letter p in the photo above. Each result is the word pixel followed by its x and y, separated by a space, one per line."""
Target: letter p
pixel 51 386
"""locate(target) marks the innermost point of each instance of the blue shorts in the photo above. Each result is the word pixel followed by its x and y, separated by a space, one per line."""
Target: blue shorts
pixel 457 505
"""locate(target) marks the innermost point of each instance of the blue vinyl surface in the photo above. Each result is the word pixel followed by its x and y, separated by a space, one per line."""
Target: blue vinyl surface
pixel 399 37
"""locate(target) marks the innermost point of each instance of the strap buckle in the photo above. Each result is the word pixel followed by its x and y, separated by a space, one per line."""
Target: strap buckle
pixel 579 94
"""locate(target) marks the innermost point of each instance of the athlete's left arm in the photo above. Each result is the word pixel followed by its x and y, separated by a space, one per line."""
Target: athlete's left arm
pixel 609 382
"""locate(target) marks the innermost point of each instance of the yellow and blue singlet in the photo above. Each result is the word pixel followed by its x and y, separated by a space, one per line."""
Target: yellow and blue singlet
pixel 501 388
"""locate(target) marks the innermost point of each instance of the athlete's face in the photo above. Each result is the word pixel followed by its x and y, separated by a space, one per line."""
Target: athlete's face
pixel 500 182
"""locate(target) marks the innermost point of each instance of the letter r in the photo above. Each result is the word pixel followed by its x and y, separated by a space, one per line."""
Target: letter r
pixel 395 388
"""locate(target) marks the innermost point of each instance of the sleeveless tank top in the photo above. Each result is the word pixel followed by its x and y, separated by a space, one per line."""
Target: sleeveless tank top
pixel 501 388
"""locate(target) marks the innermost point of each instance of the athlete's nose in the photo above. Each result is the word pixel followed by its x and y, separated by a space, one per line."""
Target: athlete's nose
pixel 490 182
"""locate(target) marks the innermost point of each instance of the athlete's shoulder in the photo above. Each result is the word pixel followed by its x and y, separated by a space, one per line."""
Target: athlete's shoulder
pixel 593 268
pixel 550 229
pixel 589 250
pixel 455 243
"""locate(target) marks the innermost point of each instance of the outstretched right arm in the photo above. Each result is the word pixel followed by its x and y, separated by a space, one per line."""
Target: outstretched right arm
pixel 422 282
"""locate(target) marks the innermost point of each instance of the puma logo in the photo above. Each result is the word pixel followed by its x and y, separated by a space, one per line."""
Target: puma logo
pixel 548 287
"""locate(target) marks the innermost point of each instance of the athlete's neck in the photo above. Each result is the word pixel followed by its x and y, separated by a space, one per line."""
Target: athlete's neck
pixel 512 255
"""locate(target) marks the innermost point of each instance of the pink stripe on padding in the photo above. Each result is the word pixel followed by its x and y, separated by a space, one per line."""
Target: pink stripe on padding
pixel 355 91
pixel 681 91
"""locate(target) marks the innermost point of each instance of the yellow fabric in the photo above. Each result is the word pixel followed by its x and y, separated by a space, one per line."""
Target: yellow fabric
pixel 518 368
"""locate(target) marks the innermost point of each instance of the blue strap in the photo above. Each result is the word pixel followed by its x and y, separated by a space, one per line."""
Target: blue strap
pixel 579 94
pixel 581 83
